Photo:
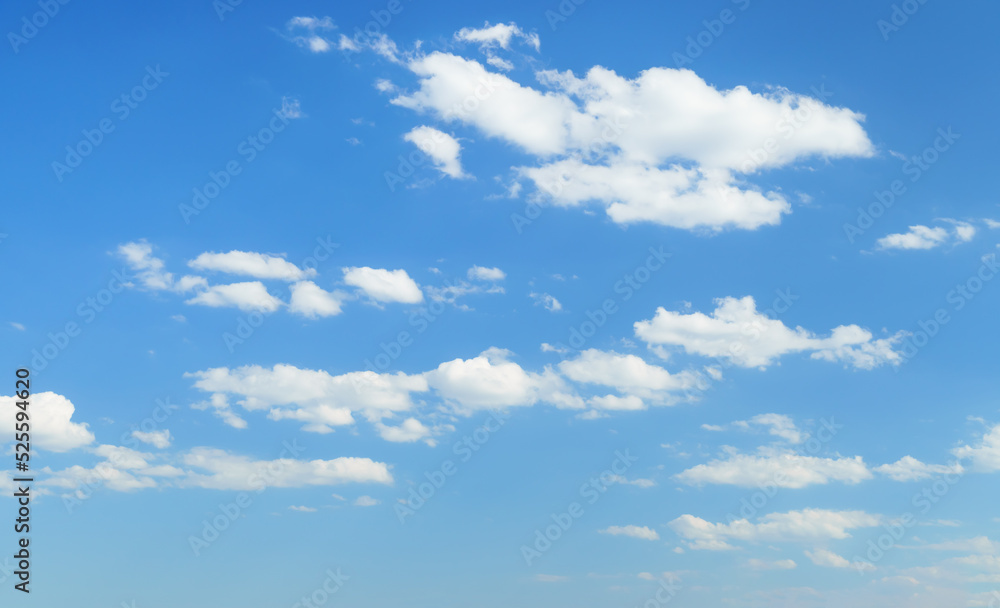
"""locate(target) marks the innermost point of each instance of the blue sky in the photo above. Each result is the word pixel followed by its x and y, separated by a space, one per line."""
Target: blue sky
pixel 655 304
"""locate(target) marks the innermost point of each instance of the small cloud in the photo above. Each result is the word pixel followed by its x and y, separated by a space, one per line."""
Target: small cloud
pixel 17 326
pixel 179 318
pixel 550 303
pixel 302 509
pixel 481 273
pixel 551 578
pixel 366 501
pixel 354 141
pixel 640 532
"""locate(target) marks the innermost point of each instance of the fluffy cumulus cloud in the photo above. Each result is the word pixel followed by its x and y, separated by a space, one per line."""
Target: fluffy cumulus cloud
pixel 640 532
pixel 250 296
pixel 482 273
pixel 491 380
pixel 159 439
pixel 780 468
pixel 221 470
pixel 252 264
pixel 664 147
pixel 442 148
pixel 925 237
pixel 312 301
pixel 794 526
pixel 383 285
pixel 735 332
pixel 636 380
pixel 319 400
pixel 52 426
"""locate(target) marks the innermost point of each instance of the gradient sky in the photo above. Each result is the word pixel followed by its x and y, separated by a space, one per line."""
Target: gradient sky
pixel 683 304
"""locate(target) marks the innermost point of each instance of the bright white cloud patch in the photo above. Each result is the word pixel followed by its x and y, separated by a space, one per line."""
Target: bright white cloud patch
pixel 547 301
pixel 443 149
pixel 736 332
pixel 312 301
pixel 664 147
pixel 252 264
pixel 250 296
pixel 629 375
pixel 775 467
pixel 318 399
pixel 781 564
pixel 793 526
pixel 52 426
pixel 640 532
pixel 383 285
pixel 924 237
pixel 221 470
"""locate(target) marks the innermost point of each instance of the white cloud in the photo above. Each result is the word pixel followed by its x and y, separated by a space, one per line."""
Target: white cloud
pixel 829 559
pixel 640 532
pixel 979 545
pixel 551 578
pixel 491 380
pixel 481 273
pixel 793 526
pixel 783 469
pixel 318 399
pixel 303 31
pixel 616 403
pixel 736 332
pixel 909 468
pixel 251 263
pixel 248 296
pixel 384 285
pixel 664 147
pixel 302 509
pixel 626 373
pixel 366 501
pixel 985 457
pixel 223 470
pixel 924 237
pixel 780 426
pixel 312 301
pixel 150 270
pixel 443 149
pixel 52 426
pixel 17 326
pixel 160 439
pixel 497 35
pixel 781 564
pixel 549 302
